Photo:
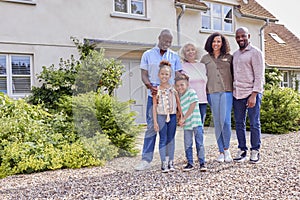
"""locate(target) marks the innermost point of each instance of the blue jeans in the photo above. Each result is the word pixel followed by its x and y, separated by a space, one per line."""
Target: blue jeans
pixel 202 108
pixel 150 134
pixel 240 110
pixel 221 105
pixel 188 144
pixel 167 132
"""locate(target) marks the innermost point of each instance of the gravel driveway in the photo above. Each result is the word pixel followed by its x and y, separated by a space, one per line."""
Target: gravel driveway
pixel 277 176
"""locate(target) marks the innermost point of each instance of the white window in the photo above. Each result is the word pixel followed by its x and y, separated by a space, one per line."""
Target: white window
pixel 130 7
pixel 277 38
pixel 217 18
pixel 285 79
pixel 15 74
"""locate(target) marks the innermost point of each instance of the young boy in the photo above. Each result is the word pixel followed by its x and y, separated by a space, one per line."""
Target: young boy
pixel 191 122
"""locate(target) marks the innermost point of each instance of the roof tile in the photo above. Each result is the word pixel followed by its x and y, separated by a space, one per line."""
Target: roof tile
pixel 281 55
pixel 252 8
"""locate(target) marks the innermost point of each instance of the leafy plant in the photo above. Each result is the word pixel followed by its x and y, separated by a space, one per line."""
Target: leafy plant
pixel 280 110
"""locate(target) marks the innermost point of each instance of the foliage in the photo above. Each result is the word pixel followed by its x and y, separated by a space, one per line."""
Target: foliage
pixel 280 110
pixel 33 140
pixel 117 121
pixel 56 82
pixel 99 72
pixel 273 77
pixel 91 73
pixel 97 112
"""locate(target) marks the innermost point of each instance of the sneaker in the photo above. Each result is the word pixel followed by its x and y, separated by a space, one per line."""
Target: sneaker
pixel 227 156
pixel 188 167
pixel 164 167
pixel 241 156
pixel 171 165
pixel 203 168
pixel 143 165
pixel 254 156
pixel 221 157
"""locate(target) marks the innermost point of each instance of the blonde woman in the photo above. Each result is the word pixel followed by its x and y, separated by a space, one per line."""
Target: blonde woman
pixel 196 72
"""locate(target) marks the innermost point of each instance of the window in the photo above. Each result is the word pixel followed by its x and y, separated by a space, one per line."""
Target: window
pixel 15 74
pixel 218 18
pixel 130 7
pixel 285 79
pixel 277 38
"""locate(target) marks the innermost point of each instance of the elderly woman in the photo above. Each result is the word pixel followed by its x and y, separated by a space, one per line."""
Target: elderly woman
pixel 196 72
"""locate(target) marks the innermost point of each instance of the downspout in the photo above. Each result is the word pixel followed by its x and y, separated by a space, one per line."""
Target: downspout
pixel 182 6
pixel 261 34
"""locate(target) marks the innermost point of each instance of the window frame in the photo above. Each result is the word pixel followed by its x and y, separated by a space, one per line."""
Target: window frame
pixel 210 15
pixel 130 15
pixel 32 2
pixel 285 83
pixel 10 76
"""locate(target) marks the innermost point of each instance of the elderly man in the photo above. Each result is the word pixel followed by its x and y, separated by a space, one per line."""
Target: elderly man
pixel 149 71
pixel 248 68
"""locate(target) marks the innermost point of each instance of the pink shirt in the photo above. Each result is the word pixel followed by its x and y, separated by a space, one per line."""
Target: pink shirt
pixel 197 79
pixel 248 72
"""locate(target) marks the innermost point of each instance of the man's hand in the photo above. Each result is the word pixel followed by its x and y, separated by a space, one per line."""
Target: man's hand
pixel 251 100
pixel 152 89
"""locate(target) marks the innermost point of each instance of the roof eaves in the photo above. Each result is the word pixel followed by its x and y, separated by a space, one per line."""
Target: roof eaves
pixel 192 6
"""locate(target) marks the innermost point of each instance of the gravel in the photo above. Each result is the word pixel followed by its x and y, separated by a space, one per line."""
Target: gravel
pixel 277 176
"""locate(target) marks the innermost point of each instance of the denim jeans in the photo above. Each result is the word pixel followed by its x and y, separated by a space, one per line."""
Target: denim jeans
pixel 188 144
pixel 240 110
pixel 150 134
pixel 221 106
pixel 202 108
pixel 167 132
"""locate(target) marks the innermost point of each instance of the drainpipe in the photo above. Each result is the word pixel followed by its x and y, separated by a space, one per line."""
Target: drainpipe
pixel 262 36
pixel 182 6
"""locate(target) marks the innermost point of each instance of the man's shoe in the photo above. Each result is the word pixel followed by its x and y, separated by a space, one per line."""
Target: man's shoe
pixel 164 167
pixel 227 156
pixel 254 156
pixel 203 168
pixel 221 157
pixel 188 167
pixel 171 166
pixel 241 156
pixel 143 165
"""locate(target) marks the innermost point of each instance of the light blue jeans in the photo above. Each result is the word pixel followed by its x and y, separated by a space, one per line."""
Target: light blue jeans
pixel 188 144
pixel 167 132
pixel 240 110
pixel 150 134
pixel 203 108
pixel 221 105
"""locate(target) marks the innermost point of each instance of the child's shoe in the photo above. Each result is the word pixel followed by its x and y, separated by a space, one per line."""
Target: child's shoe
pixel 164 167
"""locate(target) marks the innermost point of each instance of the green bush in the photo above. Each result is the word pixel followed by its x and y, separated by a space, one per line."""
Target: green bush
pixel 33 140
pixel 97 112
pixel 280 110
pixel 56 83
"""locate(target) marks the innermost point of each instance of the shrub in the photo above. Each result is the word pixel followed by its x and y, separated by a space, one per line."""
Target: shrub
pixel 33 140
pixel 280 110
pixel 97 112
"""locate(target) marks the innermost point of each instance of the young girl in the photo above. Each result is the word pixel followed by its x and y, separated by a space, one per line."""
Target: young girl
pixel 191 122
pixel 165 105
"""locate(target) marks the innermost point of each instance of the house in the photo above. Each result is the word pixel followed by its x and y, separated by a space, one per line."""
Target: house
pixel 36 33
pixel 282 51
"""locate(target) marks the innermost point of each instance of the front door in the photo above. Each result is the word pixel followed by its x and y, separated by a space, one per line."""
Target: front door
pixel 132 88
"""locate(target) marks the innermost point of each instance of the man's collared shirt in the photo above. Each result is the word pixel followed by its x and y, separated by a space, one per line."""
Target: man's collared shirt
pixel 248 72
pixel 150 62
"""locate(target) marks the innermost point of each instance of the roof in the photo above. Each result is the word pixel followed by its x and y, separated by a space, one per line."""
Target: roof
pixel 192 4
pixel 278 55
pixel 252 9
